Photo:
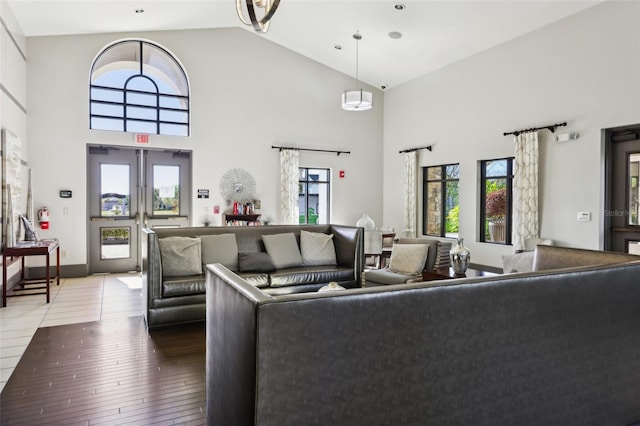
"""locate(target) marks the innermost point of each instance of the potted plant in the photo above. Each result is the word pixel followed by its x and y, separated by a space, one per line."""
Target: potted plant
pixel 496 211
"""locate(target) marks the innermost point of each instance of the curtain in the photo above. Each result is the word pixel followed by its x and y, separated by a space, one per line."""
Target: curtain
pixel 525 189
pixel 410 189
pixel 289 177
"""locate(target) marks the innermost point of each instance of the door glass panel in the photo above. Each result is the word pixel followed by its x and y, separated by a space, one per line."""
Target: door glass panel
pixel 114 183
pixel 634 188
pixel 166 190
pixel 115 243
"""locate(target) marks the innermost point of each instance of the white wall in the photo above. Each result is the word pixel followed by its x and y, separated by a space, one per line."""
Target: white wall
pixel 247 94
pixel 584 70
pixel 13 102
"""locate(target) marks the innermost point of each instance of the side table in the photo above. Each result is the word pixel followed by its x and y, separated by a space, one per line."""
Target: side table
pixel 41 248
pixel 447 273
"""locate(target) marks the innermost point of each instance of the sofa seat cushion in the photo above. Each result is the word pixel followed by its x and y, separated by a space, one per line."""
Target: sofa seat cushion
pixel 310 275
pixel 257 279
pixel 387 277
pixel 183 286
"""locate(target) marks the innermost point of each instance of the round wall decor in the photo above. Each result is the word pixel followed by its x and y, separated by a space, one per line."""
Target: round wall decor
pixel 237 185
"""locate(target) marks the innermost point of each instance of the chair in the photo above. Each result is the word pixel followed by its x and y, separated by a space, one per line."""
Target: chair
pixel 372 248
pixel 388 238
pixel 523 261
pixel 437 251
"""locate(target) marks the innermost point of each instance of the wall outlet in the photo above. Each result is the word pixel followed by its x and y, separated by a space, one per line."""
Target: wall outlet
pixel 584 216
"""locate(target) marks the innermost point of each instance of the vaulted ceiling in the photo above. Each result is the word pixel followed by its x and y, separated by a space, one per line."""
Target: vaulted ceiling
pixel 433 33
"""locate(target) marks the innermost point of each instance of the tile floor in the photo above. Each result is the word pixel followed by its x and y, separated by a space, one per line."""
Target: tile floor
pixel 92 298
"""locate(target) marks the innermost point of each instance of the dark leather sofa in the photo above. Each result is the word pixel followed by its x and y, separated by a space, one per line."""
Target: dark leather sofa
pixel 549 347
pixel 177 299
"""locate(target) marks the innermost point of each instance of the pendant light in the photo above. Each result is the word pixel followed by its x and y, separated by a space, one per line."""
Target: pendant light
pixel 357 100
pixel 261 26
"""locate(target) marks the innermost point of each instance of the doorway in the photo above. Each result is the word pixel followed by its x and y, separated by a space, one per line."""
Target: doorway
pixel 622 193
pixel 129 189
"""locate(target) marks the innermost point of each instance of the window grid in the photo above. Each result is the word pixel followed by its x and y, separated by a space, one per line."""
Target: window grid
pixel 485 181
pixel 158 110
pixel 304 182
pixel 444 179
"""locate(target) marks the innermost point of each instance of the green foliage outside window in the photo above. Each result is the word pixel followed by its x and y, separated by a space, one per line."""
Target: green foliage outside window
pixel 453 219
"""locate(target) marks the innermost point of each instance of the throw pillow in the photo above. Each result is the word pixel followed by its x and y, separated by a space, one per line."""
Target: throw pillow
pixel 221 249
pixel 180 256
pixel 317 248
pixel 408 259
pixel 332 286
pixel 258 261
pixel 283 250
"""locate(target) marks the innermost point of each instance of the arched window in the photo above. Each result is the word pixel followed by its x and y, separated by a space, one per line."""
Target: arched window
pixel 138 86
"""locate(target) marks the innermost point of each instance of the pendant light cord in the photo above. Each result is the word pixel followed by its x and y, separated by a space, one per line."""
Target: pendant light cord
pixel 357 38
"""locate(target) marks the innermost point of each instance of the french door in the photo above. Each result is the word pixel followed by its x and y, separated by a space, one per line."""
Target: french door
pixel 128 189
pixel 622 199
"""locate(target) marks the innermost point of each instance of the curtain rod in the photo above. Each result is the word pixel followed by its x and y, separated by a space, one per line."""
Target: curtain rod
pixel 429 148
pixel 552 128
pixel 309 149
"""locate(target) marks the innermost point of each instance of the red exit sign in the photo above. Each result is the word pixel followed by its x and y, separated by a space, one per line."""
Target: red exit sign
pixel 142 138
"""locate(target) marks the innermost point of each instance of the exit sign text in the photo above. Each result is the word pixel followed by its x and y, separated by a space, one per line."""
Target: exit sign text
pixel 142 138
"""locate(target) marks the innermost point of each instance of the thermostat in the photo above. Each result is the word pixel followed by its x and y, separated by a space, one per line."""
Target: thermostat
pixel 584 216
pixel 65 193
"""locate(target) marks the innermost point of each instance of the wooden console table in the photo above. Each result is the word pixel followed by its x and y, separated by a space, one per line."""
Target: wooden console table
pixel 39 249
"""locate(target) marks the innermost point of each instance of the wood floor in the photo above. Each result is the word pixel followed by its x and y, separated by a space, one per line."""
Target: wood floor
pixel 109 372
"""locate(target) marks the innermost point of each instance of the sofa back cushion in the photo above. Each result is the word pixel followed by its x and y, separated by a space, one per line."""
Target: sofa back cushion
pixel 257 261
pixel 283 249
pixel 554 257
pixel 180 256
pixel 317 248
pixel 221 249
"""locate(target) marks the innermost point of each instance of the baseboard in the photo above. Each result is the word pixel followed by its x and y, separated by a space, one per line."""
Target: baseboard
pixel 66 271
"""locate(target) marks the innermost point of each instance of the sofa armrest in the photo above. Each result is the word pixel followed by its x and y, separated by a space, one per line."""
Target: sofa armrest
pixel 151 269
pixel 349 244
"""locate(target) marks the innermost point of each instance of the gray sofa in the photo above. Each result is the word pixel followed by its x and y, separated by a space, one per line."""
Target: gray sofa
pixel 549 347
pixel 170 299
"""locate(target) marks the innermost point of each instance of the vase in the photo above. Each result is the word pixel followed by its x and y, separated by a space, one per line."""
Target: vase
pixel 10 235
pixel 497 231
pixel 366 222
pixel 460 258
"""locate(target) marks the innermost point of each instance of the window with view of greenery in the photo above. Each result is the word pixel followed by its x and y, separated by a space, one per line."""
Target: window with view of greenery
pixel 496 200
pixel 313 195
pixel 138 86
pixel 440 200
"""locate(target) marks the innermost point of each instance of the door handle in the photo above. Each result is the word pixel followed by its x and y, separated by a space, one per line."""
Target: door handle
pixel 145 220
pixel 137 218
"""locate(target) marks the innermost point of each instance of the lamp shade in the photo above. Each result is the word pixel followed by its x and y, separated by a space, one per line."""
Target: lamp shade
pixel 357 100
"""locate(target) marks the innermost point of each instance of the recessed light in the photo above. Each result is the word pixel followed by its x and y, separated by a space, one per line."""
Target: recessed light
pixel 399 6
pixel 395 35
pixel 338 47
pixel 139 10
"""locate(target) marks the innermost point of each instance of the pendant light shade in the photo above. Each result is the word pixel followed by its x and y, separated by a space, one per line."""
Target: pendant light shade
pixel 260 25
pixel 357 100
